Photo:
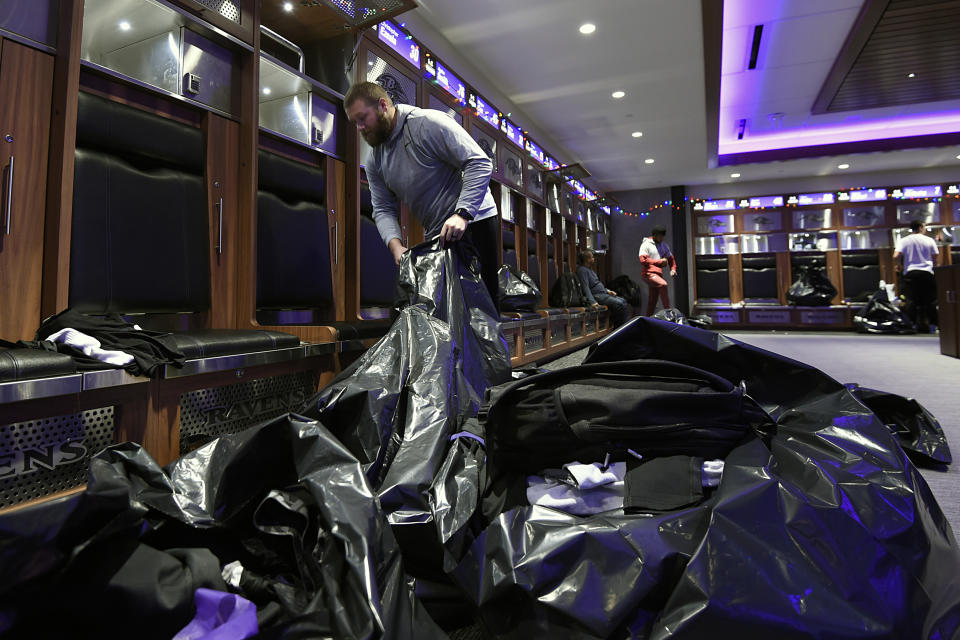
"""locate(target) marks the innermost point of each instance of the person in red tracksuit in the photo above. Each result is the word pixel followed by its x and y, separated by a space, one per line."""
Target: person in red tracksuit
pixel 655 254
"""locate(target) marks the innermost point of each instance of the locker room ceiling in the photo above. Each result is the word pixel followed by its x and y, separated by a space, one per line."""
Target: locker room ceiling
pixel 654 50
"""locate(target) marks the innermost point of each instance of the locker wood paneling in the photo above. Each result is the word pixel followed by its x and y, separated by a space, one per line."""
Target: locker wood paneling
pixel 26 84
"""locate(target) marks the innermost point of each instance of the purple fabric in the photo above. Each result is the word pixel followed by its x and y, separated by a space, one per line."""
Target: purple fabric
pixel 220 616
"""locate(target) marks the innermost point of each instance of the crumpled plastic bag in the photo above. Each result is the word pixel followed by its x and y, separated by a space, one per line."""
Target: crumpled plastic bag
pixel 284 503
pixel 517 290
pixel 918 432
pixel 446 283
pixel 880 315
pixel 675 315
pixel 820 527
pixel 397 406
pixel 812 288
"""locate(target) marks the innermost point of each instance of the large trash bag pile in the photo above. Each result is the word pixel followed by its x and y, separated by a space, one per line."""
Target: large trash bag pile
pixel 398 405
pixel 677 484
pixel 280 514
pixel 820 526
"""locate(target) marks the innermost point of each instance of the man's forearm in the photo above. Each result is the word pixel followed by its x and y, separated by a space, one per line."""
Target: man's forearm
pixel 476 179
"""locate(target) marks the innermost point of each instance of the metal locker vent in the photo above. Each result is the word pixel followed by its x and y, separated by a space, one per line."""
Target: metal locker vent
pixel 229 9
pixel 49 455
pixel 208 413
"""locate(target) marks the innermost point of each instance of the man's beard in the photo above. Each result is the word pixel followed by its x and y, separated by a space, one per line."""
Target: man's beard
pixel 380 132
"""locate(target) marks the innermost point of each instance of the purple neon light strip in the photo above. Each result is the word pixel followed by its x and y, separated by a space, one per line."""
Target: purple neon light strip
pixel 876 130
pixel 741 12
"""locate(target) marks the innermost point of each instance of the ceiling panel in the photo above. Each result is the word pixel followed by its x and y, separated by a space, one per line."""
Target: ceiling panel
pixel 737 15
pixel 559 82
pixel 915 37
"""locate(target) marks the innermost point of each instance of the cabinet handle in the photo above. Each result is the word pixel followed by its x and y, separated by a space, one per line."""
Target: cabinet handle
pixel 951 297
pixel 220 226
pixel 336 239
pixel 9 195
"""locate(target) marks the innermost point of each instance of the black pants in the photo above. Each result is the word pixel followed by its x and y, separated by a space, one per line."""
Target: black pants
pixel 920 291
pixel 482 234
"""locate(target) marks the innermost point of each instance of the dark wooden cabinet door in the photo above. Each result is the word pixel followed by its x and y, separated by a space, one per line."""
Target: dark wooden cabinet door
pixel 26 82
pixel 947 281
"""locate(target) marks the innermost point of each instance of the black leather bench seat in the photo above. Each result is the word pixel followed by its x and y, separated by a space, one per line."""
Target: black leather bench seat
pixel 29 364
pixel 209 343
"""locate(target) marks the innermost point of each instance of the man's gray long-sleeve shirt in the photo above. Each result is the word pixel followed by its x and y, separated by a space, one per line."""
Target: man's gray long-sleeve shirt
pixel 434 167
pixel 591 283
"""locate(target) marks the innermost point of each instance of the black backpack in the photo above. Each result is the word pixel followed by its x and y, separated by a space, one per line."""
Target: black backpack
pixel 567 292
pixel 626 288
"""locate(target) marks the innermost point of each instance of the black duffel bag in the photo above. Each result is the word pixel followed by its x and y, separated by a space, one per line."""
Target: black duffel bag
pixel 652 407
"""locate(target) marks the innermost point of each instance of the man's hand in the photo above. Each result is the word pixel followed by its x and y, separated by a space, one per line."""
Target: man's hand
pixel 673 272
pixel 397 249
pixel 662 262
pixel 595 305
pixel 452 230
pixel 611 293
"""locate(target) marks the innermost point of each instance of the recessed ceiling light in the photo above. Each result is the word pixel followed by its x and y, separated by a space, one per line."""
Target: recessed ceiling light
pixel 649 161
pixel 587 28
pixel 958 157
pixel 911 75
pixel 618 94
pixel 288 6
pixel 637 134
pixel 124 26
pixel 266 91
pixel 843 166
pixel 734 175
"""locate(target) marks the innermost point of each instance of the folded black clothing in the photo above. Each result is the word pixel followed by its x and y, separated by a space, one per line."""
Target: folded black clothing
pixel 151 350
pixel 662 484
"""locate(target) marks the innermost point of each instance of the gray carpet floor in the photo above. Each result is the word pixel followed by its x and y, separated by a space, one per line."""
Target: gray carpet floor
pixel 911 366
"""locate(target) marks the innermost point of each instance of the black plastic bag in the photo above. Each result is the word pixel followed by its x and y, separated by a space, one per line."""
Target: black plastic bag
pixel 918 432
pixel 284 504
pixel 398 405
pixel 446 283
pixel 882 316
pixel 820 527
pixel 812 288
pixel 676 316
pixel 626 288
pixel 517 290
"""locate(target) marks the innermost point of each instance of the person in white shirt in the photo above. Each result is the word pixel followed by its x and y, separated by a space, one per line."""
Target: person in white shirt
pixel 919 253
pixel 654 255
